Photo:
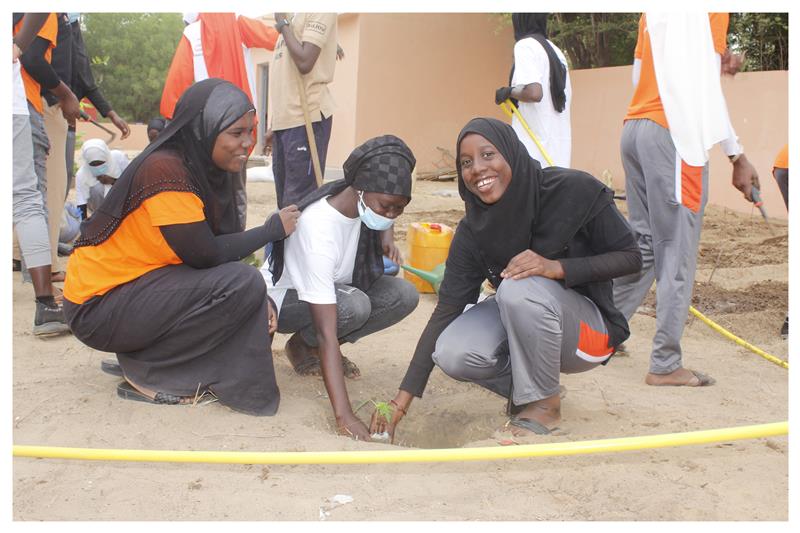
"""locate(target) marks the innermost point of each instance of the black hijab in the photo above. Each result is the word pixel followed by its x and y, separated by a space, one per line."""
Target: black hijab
pixel 382 164
pixel 204 110
pixel 540 210
pixel 534 25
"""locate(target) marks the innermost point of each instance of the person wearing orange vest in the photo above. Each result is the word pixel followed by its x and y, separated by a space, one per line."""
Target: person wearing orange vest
pixel 217 45
pixel 676 115
pixel 780 171
pixel 29 212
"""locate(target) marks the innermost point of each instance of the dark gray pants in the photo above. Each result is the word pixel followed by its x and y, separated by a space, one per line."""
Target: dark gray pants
pixel 358 313
pixel 529 333
pixel 178 329
pixel 291 160
pixel 782 178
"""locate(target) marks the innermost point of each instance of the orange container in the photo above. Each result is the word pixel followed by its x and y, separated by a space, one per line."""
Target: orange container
pixel 429 244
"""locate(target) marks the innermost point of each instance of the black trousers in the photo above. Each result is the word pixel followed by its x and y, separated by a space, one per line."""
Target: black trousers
pixel 178 328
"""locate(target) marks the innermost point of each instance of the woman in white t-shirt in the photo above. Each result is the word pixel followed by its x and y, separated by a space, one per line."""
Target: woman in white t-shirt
pixel 540 82
pixel 101 168
pixel 326 279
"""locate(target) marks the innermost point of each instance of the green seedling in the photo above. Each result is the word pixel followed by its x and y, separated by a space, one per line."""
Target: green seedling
pixel 384 410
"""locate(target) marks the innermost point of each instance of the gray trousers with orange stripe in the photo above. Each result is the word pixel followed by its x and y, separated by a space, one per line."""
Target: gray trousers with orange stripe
pixel 528 334
pixel 666 200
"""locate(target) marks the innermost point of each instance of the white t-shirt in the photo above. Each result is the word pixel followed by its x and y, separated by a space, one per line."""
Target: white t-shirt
pixel 85 180
pixel 553 129
pixel 321 252
pixel 20 104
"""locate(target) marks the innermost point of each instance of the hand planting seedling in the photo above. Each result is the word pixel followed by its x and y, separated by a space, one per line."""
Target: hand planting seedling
pixel 385 410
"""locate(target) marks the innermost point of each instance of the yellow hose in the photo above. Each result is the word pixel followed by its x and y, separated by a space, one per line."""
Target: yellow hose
pixel 716 327
pixel 410 456
pixel 510 110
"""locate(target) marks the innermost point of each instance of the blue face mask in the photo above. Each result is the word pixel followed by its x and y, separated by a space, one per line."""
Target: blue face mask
pixel 73 17
pixel 99 170
pixel 369 217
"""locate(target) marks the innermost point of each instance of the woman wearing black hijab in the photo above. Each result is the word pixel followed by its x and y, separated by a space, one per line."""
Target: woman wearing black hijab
pixel 155 275
pixel 550 241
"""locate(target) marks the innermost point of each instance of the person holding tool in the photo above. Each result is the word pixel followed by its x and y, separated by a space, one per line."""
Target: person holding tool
pixel 668 131
pixel 780 171
pixel 539 80
pixel 302 68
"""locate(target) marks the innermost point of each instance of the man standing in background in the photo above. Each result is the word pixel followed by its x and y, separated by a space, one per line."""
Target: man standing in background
pixel 304 60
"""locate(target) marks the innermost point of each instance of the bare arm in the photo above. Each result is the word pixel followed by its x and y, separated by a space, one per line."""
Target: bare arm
pixel 31 25
pixel 303 54
pixel 324 318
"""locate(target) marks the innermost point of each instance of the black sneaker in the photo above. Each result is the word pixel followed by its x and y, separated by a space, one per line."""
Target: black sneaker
pixel 16 265
pixel 785 328
pixel 49 320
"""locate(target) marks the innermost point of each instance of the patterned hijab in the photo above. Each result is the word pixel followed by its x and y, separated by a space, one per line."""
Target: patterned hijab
pixel 205 110
pixel 383 165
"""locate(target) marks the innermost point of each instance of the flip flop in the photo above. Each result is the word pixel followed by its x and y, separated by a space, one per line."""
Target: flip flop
pixel 111 366
pixel 126 391
pixel 530 424
pixel 704 380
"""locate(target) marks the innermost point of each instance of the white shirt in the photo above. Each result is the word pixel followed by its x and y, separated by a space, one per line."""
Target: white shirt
pixel 531 65
pixel 20 104
pixel 85 180
pixel 321 252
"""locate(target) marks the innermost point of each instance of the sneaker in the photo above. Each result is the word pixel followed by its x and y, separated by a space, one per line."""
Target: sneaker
pixel 785 328
pixel 49 320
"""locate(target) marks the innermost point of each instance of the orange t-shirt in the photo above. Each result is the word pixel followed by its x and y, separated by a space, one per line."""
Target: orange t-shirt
pixel 134 249
pixel 646 102
pixel 49 31
pixel 782 161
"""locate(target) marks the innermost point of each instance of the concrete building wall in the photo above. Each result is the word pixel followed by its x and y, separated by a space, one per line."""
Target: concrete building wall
pixel 422 76
pixel 758 107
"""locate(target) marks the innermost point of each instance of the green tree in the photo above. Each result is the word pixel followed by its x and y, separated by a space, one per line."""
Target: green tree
pixel 763 37
pixel 131 53
pixel 592 40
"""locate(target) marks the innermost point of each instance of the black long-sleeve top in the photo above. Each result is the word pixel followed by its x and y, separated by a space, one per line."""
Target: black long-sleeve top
pixel 602 250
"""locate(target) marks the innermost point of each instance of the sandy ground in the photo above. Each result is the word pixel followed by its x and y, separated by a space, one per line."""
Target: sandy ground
pixel 60 398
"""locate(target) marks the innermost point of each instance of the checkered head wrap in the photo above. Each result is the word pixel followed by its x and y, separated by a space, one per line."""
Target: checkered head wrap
pixel 383 165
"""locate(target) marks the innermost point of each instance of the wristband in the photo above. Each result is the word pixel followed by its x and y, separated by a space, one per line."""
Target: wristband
pixel 281 23
pixel 394 403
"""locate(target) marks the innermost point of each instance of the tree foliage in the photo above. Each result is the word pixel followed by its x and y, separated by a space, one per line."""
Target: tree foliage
pixel 763 37
pixel 131 53
pixel 592 40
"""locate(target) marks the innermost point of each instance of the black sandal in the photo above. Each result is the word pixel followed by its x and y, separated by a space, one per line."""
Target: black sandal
pixel 126 391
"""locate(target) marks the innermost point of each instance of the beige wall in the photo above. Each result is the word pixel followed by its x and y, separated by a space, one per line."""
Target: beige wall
pixel 757 102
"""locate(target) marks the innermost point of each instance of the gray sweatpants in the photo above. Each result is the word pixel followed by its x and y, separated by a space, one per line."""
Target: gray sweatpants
pixel 532 330
pixel 30 222
pixel 666 201
pixel 358 314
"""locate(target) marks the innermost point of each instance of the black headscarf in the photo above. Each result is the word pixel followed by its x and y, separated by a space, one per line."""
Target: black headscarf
pixel 534 25
pixel 540 210
pixel 383 165
pixel 204 110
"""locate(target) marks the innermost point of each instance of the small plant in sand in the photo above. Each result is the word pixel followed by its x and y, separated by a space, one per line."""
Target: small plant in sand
pixel 384 410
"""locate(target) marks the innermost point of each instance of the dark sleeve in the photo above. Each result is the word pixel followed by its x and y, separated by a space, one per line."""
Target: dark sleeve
pixel 461 285
pixel 464 272
pixel 83 82
pixel 419 370
pixel 617 253
pixel 198 247
pixel 37 66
